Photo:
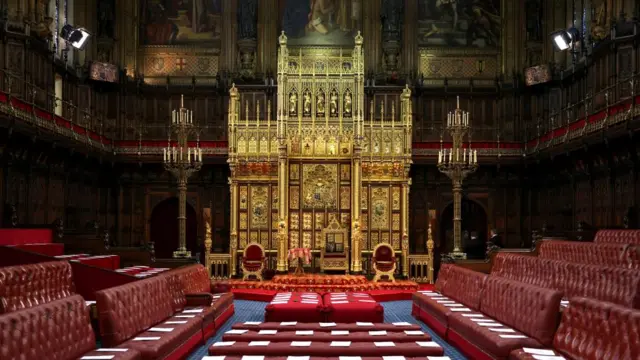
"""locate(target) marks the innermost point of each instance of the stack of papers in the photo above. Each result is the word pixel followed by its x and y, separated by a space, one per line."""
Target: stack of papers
pixel 301 343
pixel 267 332
pixel 236 332
pixel 341 343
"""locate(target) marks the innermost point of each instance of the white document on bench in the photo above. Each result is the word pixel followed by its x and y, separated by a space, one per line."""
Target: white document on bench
pixel 378 333
pixel 185 316
pixel 157 329
pixel 112 349
pixel 341 343
pixel 301 343
pixel 513 336
pixel 548 357
pixel 538 351
pixel 489 324
pixel 331 324
pixel 98 357
pixel 252 357
pixel 193 311
pixel 402 323
pixel 413 332
pixel 427 343
pixel 446 302
pixel 472 315
pixel 339 332
pixel 393 358
pixel 289 323
pixel 236 332
pixel 504 330
pixel 483 320
pixel 461 309
pixel 252 323
pixel 267 332
pixel 298 357
pixel 384 344
pixel 349 358
pixel 364 324
pixel 146 338
pixel 339 302
pixel 259 343
pixel 224 343
pixel 454 305
pixel 175 322
pixel 438 358
pixel 304 332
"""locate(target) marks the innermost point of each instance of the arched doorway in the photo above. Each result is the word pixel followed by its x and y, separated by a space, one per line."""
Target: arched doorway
pixel 474 229
pixel 164 228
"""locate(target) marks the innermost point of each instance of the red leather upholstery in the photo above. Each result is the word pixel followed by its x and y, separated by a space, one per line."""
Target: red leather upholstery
pixel 531 310
pixel 595 330
pixel 189 288
pixel 616 285
pixel 394 327
pixel 325 336
pixel 618 236
pixel 586 253
pixel 129 310
pixel 24 286
pixel 384 258
pixel 253 258
pixel 457 283
pixel 59 330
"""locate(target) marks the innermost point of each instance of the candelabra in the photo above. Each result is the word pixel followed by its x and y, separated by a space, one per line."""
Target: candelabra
pixel 182 161
pixel 457 163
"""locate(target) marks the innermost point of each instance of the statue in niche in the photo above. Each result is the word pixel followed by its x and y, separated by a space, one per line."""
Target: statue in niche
pixel 534 20
pixel 247 19
pixel 293 104
pixel 333 104
pixel 347 104
pixel 307 104
pixel 106 18
pixel 320 104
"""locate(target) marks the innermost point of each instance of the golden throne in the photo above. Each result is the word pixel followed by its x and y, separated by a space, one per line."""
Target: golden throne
pixel 253 261
pixel 384 262
pixel 334 251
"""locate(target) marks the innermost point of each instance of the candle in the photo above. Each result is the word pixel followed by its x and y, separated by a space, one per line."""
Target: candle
pixel 165 154
pixel 458 101
pixel 439 156
pixel 181 154
pixel 191 112
pixel 200 154
pixel 464 155
pixel 450 155
pixel 475 156
pixel 457 154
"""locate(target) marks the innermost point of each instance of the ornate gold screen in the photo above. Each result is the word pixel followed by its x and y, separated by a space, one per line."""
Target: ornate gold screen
pixel 320 160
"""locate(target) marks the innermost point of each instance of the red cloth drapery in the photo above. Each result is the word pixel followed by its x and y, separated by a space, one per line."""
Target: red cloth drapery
pixel 300 253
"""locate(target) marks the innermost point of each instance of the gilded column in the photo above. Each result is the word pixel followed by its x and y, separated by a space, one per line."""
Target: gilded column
pixel 356 163
pixel 233 184
pixel 233 240
pixel 283 163
pixel 407 121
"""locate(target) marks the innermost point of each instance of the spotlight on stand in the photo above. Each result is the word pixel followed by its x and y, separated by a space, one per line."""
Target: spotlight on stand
pixel 77 37
pixel 564 39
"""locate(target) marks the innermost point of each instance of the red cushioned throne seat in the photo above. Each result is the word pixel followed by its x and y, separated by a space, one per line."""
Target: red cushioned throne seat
pixel 384 262
pixel 253 261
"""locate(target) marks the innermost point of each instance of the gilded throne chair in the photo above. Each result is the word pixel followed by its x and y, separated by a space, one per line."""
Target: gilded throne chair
pixel 334 251
pixel 253 261
pixel 384 262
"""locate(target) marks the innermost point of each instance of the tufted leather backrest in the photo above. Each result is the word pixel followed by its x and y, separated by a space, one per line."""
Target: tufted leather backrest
pixel 465 286
pixel 24 286
pixel 176 292
pixel 530 309
pixel 194 278
pixel 597 330
pixel 443 277
pixel 632 254
pixel 57 330
pixel 126 310
pixel 585 253
pixel 528 269
pixel 618 236
pixel 616 285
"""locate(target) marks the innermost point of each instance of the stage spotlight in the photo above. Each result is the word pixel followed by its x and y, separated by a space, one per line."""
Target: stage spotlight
pixel 77 37
pixel 564 39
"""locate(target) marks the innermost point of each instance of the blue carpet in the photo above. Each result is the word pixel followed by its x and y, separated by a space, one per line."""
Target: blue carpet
pixel 394 311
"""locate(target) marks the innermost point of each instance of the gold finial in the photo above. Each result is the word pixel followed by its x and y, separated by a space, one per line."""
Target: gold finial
pixel 234 90
pixel 282 39
pixel 182 101
pixel 359 38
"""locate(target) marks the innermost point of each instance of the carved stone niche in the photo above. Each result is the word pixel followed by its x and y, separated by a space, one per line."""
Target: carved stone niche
pixel 247 56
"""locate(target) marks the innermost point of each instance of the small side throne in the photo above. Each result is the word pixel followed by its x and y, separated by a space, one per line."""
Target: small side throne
pixel 384 262
pixel 334 254
pixel 253 261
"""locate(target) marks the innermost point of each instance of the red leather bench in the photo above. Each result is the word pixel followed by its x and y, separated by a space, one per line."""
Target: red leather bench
pixel 323 336
pixel 129 315
pixel 186 294
pixel 330 358
pixel 24 286
pixel 323 349
pixel 352 307
pixel 616 285
pixel 295 306
pixel 457 286
pixel 326 327
pixel 617 236
pixel 59 329
pixel 588 253
pixel 523 316
pixel 592 329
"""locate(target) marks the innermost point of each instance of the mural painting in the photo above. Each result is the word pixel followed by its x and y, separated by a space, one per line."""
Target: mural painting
pixel 469 23
pixel 321 22
pixel 175 22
